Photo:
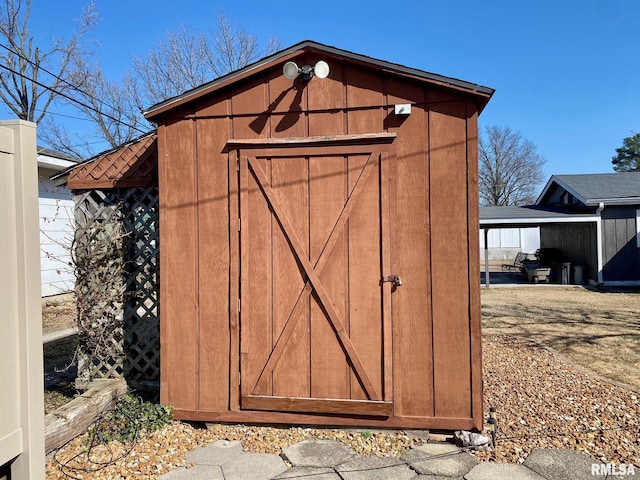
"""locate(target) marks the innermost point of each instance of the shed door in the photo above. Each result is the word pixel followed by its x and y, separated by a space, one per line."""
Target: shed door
pixel 315 326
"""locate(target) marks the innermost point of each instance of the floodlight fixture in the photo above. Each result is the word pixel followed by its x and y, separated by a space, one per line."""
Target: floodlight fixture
pixel 306 72
pixel 290 70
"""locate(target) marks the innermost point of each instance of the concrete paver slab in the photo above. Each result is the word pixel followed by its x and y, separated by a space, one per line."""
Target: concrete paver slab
pixel 199 472
pixel 309 473
pixel 560 464
pixel 450 463
pixel 437 448
pixel 254 466
pixel 318 453
pixel 225 460
pixel 438 477
pixel 217 453
pixel 59 334
pixel 379 468
pixel 501 471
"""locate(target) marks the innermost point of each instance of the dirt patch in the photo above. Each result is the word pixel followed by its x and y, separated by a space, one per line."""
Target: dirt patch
pixel 58 312
pixel 597 330
pixel 59 372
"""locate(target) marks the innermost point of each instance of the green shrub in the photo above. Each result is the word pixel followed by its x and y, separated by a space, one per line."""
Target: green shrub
pixel 130 418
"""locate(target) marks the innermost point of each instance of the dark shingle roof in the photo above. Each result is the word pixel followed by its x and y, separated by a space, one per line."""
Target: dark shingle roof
pixel 591 189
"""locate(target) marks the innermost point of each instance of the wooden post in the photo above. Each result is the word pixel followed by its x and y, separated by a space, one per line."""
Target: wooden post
pixel 486 258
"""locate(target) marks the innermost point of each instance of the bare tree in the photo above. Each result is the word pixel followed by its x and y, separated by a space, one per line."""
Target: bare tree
pixel 510 168
pixel 31 77
pixel 183 60
pixel 109 106
pixel 234 48
pixel 187 59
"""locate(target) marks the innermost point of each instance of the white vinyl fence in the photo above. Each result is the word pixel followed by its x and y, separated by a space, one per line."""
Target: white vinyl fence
pixel 21 371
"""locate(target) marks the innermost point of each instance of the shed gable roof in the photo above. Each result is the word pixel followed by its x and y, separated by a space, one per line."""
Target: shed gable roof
pixel 591 189
pixel 480 93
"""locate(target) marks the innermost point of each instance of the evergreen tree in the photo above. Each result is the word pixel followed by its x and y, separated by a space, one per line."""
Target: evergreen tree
pixel 627 157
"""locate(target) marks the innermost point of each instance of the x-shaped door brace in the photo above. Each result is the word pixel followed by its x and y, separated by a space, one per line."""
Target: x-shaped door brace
pixel 313 271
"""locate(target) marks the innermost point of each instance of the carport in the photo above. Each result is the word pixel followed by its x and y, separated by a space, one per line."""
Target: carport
pixel 576 234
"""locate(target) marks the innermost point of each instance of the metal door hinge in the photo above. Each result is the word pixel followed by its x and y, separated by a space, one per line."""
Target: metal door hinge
pixel 395 279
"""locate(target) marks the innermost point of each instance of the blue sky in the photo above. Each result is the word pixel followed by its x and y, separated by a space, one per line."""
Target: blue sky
pixel 566 72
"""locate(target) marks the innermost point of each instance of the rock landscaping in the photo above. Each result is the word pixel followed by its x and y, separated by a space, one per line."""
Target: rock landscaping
pixel 542 402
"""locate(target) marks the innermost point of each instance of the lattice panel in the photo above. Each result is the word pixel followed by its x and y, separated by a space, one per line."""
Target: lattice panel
pixel 118 337
pixel 142 339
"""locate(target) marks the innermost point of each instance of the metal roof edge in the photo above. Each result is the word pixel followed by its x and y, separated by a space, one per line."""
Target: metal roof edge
pixel 186 96
pixel 568 218
pixel 54 163
pixel 544 190
pixel 614 201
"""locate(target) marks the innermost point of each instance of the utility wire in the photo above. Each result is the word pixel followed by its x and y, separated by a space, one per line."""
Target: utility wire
pixel 57 77
pixel 75 100
pixel 51 112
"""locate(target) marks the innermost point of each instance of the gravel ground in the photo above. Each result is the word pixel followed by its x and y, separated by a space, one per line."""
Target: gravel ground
pixel 542 402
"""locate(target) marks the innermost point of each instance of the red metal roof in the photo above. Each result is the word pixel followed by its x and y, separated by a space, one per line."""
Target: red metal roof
pixel 134 164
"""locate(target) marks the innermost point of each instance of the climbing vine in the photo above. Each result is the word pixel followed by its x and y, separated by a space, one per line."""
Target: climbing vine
pixel 98 256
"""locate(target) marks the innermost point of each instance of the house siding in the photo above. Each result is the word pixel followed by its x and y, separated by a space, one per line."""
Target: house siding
pixel 621 255
pixel 576 241
pixel 56 234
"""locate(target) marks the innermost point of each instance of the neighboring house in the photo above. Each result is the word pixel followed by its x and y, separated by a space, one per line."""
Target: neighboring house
pixel 615 199
pixel 56 223
pixel 589 220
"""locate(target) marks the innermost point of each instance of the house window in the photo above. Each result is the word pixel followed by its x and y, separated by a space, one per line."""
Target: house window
pixel 567 199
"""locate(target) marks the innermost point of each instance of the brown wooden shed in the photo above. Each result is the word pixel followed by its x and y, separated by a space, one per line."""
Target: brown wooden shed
pixel 290 212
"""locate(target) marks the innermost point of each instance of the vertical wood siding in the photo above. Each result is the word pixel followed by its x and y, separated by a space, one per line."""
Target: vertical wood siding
pixel 449 259
pixel 180 301
pixel 621 260
pixel 577 241
pixel 433 246
pixel 213 258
